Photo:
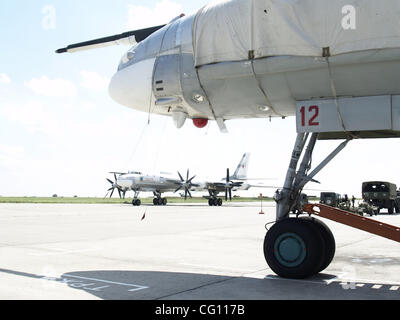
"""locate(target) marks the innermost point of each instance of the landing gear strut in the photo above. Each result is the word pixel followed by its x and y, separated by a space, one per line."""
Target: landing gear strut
pixel 136 202
pixel 158 200
pixel 299 247
pixel 213 200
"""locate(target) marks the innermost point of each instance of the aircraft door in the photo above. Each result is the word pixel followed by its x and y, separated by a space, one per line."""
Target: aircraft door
pixel 166 80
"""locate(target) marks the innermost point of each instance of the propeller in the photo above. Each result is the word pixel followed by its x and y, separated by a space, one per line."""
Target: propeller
pixel 114 185
pixel 228 186
pixel 185 184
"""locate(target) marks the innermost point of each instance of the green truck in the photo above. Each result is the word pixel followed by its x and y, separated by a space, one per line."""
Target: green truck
pixel 330 198
pixel 383 195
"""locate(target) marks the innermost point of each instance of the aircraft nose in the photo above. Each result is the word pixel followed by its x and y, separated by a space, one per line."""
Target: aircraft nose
pixel 132 86
pixel 124 183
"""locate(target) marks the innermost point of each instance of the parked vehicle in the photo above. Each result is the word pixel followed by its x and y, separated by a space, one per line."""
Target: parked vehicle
pixel 381 194
pixel 330 198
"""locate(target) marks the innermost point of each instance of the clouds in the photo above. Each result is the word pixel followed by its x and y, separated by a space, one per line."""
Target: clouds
pixel 52 88
pixel 4 78
pixel 10 154
pixel 94 81
pixel 31 115
pixel 143 17
pixel 62 88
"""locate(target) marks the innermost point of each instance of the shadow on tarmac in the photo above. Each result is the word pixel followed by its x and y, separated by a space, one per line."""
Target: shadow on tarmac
pixel 158 285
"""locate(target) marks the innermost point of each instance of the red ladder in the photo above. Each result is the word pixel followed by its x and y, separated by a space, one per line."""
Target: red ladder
pixel 354 220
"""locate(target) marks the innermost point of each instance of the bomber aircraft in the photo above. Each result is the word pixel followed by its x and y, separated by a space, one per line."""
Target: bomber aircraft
pixel 159 184
pixel 334 65
pixel 238 181
pixel 139 182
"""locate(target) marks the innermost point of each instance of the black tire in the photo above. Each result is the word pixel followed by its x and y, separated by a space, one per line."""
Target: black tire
pixel 210 202
pixel 134 202
pixel 219 202
pixel 397 208
pixel 390 209
pixel 164 201
pixel 294 248
pixel 138 202
pixel 329 240
pixel 156 201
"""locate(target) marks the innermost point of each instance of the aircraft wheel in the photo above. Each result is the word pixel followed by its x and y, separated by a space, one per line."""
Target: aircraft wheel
pixel 210 202
pixel 219 202
pixel 136 202
pixel 164 201
pixel 294 248
pixel 329 240
pixel 156 202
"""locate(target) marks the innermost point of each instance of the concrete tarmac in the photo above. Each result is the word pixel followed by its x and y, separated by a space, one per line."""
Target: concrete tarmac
pixel 177 252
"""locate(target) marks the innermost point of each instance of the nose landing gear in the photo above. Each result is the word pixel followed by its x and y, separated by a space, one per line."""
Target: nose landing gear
pixel 299 247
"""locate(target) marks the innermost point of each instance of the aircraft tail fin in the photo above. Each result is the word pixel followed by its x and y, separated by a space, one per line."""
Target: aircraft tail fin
pixel 241 170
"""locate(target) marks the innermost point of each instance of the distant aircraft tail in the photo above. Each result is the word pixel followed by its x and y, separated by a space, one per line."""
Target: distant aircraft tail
pixel 241 170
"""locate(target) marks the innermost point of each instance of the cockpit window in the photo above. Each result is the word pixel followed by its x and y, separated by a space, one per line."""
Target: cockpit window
pixel 147 49
pixel 128 56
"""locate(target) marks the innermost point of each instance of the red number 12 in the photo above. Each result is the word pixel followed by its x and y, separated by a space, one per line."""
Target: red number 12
pixel 312 110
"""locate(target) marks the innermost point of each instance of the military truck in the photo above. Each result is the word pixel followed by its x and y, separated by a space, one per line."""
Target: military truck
pixel 330 198
pixel 303 200
pixel 382 195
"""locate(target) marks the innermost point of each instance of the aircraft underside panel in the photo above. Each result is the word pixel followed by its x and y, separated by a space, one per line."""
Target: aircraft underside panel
pixel 356 116
pixel 243 89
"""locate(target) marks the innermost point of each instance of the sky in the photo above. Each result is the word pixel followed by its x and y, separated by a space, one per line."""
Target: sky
pixel 61 133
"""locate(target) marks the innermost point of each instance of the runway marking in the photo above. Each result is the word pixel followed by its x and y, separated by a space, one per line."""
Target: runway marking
pixel 377 286
pixel 137 287
pixel 322 281
pixel 345 283
pixel 77 282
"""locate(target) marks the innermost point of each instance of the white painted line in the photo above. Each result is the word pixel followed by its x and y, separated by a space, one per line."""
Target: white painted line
pixel 371 281
pixel 322 281
pixel 137 287
pixel 342 282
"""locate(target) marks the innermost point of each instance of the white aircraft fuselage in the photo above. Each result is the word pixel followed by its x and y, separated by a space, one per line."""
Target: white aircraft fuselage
pixel 147 183
pixel 159 75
